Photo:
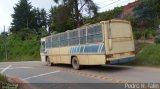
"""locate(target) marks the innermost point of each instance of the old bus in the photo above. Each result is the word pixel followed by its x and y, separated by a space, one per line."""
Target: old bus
pixel 107 42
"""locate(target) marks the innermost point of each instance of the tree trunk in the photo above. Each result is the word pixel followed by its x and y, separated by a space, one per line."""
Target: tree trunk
pixel 77 13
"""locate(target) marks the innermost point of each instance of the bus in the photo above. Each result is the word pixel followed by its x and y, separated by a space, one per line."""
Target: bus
pixel 107 42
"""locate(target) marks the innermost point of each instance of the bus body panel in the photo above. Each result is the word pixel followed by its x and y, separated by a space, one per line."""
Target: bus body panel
pixel 97 59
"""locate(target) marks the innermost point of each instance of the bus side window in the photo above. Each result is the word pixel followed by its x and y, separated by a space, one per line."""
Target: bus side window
pixel 73 38
pixel 94 34
pixel 55 41
pixel 64 39
pixel 83 36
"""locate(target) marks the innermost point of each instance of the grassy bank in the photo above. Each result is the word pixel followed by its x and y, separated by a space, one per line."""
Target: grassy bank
pixel 20 51
pixel 3 78
pixel 148 56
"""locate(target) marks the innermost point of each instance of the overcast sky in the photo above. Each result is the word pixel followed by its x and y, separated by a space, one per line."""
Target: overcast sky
pixel 6 8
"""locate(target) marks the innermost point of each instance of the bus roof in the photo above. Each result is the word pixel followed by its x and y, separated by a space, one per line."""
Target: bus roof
pixel 88 25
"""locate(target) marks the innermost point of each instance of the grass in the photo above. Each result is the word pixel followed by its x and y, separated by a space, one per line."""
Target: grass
pixel 21 51
pixel 148 56
pixel 3 78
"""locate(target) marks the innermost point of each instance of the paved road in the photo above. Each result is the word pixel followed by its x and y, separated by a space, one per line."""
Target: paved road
pixel 92 77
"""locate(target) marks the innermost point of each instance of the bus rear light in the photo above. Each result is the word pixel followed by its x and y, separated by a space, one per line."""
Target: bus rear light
pixel 109 56
pixel 132 53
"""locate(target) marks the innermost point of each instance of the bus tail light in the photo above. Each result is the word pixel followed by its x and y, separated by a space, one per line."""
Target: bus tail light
pixel 109 56
pixel 132 53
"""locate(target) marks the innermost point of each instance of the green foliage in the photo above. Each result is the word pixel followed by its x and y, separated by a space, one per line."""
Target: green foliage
pixel 115 13
pixel 146 13
pixel 137 35
pixel 3 79
pixel 23 16
pixel 60 22
pixel 149 56
pixel 149 33
pixel 27 21
pixel 76 8
pixel 157 39
pixel 18 50
pixel 132 19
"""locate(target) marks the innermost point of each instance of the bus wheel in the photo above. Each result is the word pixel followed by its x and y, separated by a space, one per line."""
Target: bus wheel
pixel 75 63
pixel 49 63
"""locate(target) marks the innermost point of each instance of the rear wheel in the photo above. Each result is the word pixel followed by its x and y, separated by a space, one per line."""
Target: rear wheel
pixel 49 63
pixel 75 63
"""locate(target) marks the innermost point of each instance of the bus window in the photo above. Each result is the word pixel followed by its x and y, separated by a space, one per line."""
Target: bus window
pixel 83 36
pixel 64 39
pixel 55 41
pixel 94 34
pixel 48 42
pixel 73 38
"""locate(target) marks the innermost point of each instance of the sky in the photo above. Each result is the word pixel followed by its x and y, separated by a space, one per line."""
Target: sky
pixel 6 8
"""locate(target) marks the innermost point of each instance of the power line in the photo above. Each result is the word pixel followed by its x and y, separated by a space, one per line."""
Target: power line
pixel 128 1
pixel 110 4
pixel 101 2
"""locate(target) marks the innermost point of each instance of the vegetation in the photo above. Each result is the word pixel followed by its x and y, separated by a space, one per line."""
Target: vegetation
pixel 28 21
pixel 3 78
pixel 73 10
pixel 75 7
pixel 17 50
pixel 157 39
pixel 148 56
pixel 115 13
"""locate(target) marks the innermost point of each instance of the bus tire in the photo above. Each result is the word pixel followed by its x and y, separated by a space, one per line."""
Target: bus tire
pixel 49 63
pixel 75 63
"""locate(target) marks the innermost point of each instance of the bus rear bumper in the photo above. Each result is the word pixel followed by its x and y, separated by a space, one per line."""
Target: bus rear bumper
pixel 122 60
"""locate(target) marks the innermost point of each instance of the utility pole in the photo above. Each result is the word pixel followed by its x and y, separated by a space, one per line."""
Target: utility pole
pixel 5 43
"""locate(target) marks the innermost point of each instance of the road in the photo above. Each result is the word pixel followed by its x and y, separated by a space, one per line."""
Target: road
pixel 91 77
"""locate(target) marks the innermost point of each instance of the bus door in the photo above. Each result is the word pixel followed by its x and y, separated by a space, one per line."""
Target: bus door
pixel 43 52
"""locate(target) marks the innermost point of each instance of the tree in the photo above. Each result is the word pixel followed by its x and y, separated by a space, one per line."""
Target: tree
pixel 145 18
pixel 58 21
pixel 41 21
pixel 147 13
pixel 77 7
pixel 107 15
pixel 23 16
pixel 41 18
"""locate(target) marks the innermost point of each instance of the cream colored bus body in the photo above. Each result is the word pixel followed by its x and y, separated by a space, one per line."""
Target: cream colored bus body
pixel 117 40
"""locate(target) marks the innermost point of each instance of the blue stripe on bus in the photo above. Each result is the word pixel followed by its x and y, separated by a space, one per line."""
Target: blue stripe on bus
pixel 92 49
pixel 76 49
pixel 73 50
pixel 81 50
pixel 103 49
pixel 88 49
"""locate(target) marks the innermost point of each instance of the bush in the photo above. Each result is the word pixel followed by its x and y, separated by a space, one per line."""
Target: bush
pixel 20 50
pixel 148 56
pixel 137 35
pixel 3 78
pixel 149 33
pixel 157 39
